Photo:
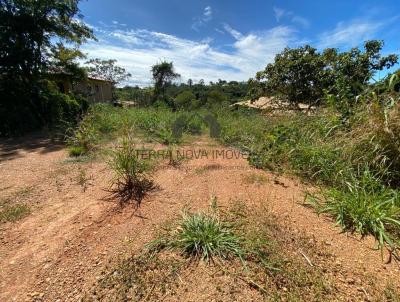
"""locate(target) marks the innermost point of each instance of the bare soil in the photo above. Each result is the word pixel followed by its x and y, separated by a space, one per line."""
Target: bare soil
pixel 58 251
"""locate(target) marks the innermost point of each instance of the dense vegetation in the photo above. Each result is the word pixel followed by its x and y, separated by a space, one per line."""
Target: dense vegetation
pixel 39 43
pixel 188 95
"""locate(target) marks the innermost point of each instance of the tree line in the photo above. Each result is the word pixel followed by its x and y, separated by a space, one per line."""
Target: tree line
pixel 40 38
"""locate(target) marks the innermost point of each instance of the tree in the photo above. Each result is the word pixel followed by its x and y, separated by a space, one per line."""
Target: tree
pixel 303 75
pixel 108 70
pixel 215 98
pixel 163 74
pixel 351 71
pixel 65 60
pixel 296 75
pixel 29 30
pixel 186 100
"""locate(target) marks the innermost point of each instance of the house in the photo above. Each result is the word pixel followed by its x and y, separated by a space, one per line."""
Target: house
pixel 94 89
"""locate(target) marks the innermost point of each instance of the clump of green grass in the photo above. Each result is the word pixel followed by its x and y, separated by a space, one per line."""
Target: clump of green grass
pixel 203 236
pixel 132 178
pixel 76 151
pixel 84 138
pixel 363 206
pixel 12 213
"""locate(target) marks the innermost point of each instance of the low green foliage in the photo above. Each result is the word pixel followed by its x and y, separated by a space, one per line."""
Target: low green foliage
pixel 12 213
pixel 203 236
pixel 131 173
pixel 364 206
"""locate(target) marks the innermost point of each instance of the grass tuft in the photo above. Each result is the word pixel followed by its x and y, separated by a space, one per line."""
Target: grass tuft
pixel 363 206
pixel 203 236
pixel 131 173
pixel 12 213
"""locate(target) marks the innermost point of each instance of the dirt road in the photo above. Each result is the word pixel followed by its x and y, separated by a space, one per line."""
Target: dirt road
pixel 58 251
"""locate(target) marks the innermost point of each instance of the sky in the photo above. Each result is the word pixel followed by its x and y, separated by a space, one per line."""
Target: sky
pixel 230 39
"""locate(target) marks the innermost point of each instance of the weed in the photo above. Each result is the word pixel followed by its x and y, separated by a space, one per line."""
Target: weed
pixel 75 151
pixel 363 206
pixel 391 294
pixel 83 179
pixel 206 168
pixel 203 236
pixel 131 173
pixel 255 178
pixel 84 138
pixel 12 213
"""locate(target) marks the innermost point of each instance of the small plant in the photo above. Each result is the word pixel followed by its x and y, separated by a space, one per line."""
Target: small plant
pixel 76 151
pixel 256 179
pixel 84 138
pixel 83 179
pixel 364 206
pixel 204 236
pixel 175 160
pixel 12 213
pixel 131 173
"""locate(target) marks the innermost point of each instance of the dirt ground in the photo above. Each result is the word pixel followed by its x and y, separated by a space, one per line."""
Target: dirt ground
pixel 58 251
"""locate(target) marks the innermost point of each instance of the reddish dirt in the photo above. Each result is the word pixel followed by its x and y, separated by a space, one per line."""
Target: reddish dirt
pixel 58 251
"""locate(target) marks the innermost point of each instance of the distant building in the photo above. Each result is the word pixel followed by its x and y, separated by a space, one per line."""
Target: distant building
pixel 95 90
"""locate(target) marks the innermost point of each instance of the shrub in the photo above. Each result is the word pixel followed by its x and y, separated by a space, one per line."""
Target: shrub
pixel 216 98
pixel 131 173
pixel 47 108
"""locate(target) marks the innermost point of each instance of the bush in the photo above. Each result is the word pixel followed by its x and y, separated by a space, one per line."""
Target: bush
pixel 131 173
pixel 47 108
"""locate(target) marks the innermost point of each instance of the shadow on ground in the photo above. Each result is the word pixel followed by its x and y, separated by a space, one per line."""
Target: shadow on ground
pixel 12 148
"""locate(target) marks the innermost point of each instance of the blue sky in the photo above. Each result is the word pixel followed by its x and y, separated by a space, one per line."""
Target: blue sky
pixel 230 40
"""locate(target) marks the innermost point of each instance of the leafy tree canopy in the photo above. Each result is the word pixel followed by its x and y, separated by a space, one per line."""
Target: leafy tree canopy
pixel 107 70
pixel 163 74
pixel 28 30
pixel 304 75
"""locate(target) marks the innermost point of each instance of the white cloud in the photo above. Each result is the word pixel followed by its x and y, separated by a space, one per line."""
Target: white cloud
pixel 201 21
pixel 234 33
pixel 137 50
pixel 208 13
pixel 301 21
pixel 279 13
pixel 348 34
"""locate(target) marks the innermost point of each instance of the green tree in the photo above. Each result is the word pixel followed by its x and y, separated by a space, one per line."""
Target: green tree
pixel 186 100
pixel 351 71
pixel 303 75
pixel 65 60
pixel 163 74
pixel 297 75
pixel 29 30
pixel 108 70
pixel 216 98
